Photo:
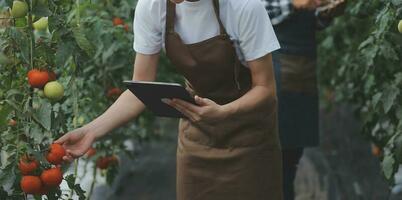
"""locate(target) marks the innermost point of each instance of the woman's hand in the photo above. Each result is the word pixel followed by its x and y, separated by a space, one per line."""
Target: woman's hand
pixel 76 143
pixel 206 110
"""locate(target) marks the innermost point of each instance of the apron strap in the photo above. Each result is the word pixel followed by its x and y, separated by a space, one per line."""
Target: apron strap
pixel 170 16
pixel 217 13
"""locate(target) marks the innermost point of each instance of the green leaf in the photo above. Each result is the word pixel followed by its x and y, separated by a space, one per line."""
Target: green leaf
pixel 41 10
pixel 4 60
pixel 389 97
pixel 43 114
pixel 399 113
pixel 22 41
pixel 397 2
pixel 70 179
pixel 4 112
pixel 376 99
pixel 111 174
pixel 36 133
pixel 398 148
pixel 388 166
pixel 83 42
pixel 388 51
pixel 63 52
pixel 80 192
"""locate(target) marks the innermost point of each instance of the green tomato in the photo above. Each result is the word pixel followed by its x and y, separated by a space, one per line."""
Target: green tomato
pixel 41 24
pixel 19 9
pixel 54 91
pixel 78 121
pixel 400 26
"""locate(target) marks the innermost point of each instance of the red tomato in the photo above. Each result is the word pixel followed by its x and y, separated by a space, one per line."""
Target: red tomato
pixel 126 27
pixel 52 177
pixel 31 184
pixel 105 162
pixel 375 150
pixel 12 122
pixel 91 152
pixel 114 93
pixel 56 154
pixel 43 190
pixel 27 165
pixel 117 21
pixel 38 78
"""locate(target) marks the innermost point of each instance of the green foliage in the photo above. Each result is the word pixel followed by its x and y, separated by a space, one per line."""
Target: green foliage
pixel 89 55
pixel 362 55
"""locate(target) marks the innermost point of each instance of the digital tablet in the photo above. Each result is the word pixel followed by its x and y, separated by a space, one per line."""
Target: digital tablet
pixel 152 93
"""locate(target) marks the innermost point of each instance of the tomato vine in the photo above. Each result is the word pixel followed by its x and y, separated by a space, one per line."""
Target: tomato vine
pixel 362 55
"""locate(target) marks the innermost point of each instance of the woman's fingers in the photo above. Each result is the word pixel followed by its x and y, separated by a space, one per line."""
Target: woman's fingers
pixel 188 113
pixel 204 101
pixel 63 139
pixel 74 153
pixel 68 158
pixel 188 106
pixel 181 108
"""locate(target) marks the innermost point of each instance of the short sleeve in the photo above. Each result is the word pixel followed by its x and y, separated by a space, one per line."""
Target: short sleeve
pixel 256 34
pixel 147 27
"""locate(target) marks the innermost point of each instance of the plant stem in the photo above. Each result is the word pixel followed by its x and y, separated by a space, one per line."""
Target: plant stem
pixel 76 162
pixel 31 37
pixel 78 12
pixel 93 182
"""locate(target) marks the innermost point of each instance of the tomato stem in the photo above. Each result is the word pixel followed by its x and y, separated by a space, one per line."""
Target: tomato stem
pixel 95 171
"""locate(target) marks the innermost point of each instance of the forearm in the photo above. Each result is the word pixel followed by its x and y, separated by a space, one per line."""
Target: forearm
pixel 257 98
pixel 127 106
pixel 124 109
pixel 263 89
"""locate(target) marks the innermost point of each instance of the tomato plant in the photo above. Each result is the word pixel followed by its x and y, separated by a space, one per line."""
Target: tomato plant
pixel 58 60
pixel 362 55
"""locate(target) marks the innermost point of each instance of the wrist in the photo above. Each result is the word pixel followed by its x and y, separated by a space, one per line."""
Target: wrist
pixel 230 109
pixel 94 130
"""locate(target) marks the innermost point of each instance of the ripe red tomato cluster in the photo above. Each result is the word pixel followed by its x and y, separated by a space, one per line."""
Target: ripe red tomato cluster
pixel 117 21
pixel 32 182
pixel 46 80
pixel 106 161
pixel 102 162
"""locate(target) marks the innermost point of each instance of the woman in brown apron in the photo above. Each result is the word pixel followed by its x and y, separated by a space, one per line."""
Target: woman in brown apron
pixel 228 147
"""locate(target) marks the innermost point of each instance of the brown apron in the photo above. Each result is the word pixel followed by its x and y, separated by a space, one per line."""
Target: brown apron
pixel 235 159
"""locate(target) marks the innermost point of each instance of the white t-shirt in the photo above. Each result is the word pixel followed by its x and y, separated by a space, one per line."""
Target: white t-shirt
pixel 246 21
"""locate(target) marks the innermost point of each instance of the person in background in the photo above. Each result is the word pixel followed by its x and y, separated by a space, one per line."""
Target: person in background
pixel 295 23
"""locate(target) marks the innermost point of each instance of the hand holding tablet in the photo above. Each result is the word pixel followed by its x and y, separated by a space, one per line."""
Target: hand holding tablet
pixel 153 95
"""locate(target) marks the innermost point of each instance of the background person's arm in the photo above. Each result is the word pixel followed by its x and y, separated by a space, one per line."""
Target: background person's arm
pixel 280 10
pixel 126 108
